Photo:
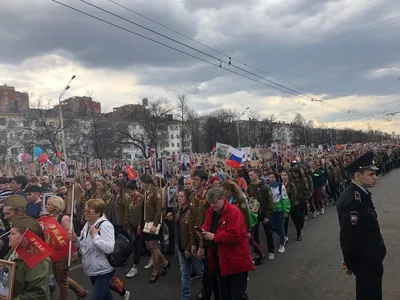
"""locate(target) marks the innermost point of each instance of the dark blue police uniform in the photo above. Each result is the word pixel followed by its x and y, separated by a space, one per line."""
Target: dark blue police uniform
pixel 360 237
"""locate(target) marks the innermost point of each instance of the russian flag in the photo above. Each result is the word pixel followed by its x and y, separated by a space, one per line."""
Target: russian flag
pixel 235 158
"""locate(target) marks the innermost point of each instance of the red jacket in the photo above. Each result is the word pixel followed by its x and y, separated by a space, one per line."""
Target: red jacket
pixel 232 241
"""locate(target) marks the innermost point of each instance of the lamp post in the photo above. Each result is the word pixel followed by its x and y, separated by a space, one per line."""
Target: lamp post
pixel 62 119
pixel 237 125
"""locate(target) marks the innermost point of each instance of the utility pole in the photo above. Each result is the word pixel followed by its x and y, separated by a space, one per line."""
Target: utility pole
pixel 62 119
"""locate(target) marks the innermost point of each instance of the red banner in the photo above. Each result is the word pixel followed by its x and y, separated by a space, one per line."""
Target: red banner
pixel 131 174
pixel 56 237
pixel 33 250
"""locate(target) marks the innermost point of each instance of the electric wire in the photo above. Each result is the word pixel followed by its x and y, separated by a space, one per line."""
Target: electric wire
pixel 330 39
pixel 208 47
pixel 229 63
pixel 288 90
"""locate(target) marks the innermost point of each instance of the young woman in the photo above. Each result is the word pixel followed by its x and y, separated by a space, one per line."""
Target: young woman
pixel 135 224
pixel 117 211
pixel 292 193
pixel 55 206
pixel 281 203
pixel 301 204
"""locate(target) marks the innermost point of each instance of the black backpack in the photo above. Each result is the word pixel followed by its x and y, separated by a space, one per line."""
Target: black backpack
pixel 122 250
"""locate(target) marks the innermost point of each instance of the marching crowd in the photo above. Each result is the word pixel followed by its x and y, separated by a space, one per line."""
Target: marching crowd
pixel 218 215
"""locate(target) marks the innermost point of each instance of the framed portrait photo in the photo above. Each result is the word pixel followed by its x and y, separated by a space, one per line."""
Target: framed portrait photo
pixel 7 277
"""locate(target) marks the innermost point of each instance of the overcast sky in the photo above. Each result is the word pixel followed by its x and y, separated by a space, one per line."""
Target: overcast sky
pixel 43 44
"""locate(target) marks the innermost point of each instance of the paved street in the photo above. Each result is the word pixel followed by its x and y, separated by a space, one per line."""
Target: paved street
pixel 309 269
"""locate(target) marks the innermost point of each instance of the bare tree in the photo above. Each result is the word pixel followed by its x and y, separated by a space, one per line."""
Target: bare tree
pixel 41 127
pixel 183 114
pixel 152 122
pixel 100 137
pixel 220 127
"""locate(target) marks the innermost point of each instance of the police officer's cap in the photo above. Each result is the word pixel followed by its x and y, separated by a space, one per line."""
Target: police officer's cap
pixel 146 178
pixel 26 222
pixel 16 201
pixel 364 162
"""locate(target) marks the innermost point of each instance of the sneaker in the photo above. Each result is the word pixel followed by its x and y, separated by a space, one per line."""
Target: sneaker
pixel 286 240
pixel 126 296
pixel 322 211
pixel 318 213
pixel 271 256
pixel 149 264
pixel 132 273
pixel 314 215
pixel 305 218
pixel 281 249
pixel 260 260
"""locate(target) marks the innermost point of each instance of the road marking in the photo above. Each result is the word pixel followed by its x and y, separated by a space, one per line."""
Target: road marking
pixel 75 267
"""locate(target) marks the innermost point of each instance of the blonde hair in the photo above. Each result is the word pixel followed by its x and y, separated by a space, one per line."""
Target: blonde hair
pixel 57 202
pixel 98 205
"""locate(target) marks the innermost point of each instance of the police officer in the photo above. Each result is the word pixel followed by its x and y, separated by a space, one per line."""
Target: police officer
pixel 360 237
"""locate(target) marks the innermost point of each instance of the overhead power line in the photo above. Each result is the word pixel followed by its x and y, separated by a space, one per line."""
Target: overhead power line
pixel 206 46
pixel 329 40
pixel 229 63
pixel 288 91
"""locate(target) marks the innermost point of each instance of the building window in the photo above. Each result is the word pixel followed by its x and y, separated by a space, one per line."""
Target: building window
pixel 51 124
pixel 177 144
pixel 128 156
pixel 166 144
pixel 172 136
pixel 3 121
pixel 14 151
pixel 25 123
pixel 177 136
pixel 172 145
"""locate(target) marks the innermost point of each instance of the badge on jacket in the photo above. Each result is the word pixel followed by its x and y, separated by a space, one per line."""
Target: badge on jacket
pixel 353 217
pixel 357 196
pixel 223 224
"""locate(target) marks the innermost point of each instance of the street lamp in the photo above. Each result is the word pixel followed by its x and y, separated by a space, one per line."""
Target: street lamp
pixel 61 117
pixel 237 125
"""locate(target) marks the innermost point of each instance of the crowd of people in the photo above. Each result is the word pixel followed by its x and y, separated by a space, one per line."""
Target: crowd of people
pixel 211 228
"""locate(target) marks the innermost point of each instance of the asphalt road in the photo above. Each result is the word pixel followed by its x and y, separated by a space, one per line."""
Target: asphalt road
pixel 308 270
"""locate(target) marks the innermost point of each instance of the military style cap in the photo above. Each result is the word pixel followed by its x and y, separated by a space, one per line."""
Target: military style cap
pixel 26 222
pixel 146 178
pixel 16 201
pixel 364 162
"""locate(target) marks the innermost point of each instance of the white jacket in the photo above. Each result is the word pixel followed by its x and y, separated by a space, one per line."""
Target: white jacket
pixel 94 250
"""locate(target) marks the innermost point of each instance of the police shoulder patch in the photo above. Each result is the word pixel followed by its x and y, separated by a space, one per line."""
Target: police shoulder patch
pixel 354 217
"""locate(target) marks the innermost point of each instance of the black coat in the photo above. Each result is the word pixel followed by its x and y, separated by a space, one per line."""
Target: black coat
pixel 360 236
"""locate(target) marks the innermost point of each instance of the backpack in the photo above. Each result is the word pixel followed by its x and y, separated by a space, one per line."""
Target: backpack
pixel 122 250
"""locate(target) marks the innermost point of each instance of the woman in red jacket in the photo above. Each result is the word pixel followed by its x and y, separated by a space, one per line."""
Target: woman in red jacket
pixel 225 236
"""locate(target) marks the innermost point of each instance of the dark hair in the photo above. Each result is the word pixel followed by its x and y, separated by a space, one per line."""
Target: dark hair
pixel 22 180
pixel 255 170
pixel 33 189
pixel 121 185
pixel 131 186
pixel 3 180
pixel 200 173
pixel 186 192
pixel 232 187
pixel 238 170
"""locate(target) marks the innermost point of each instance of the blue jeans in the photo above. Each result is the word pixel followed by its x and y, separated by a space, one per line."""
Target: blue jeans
pixel 185 272
pixel 277 224
pixel 101 286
